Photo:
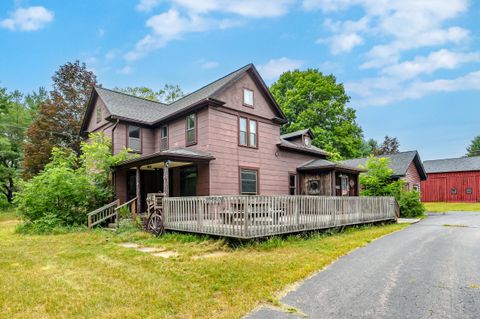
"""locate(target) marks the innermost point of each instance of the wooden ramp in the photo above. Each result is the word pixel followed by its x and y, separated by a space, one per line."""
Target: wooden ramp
pixel 260 216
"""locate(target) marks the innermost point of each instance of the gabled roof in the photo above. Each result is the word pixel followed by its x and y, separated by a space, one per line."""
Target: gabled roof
pixel 288 136
pixel 399 162
pixel 319 164
pixel 130 108
pixel 463 164
pixel 284 144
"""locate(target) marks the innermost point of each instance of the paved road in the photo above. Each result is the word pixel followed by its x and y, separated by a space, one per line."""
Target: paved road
pixel 428 270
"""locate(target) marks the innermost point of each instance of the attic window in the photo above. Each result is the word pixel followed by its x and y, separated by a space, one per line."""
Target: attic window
pixel 247 97
pixel 307 141
pixel 98 112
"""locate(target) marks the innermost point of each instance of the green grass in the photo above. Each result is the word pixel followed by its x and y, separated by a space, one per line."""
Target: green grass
pixel 7 214
pixel 88 275
pixel 452 207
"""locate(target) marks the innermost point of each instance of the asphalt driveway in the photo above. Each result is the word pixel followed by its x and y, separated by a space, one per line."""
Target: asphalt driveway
pixel 429 270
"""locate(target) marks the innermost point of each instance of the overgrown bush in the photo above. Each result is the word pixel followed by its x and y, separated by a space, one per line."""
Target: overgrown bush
pixel 70 186
pixel 377 181
pixel 410 204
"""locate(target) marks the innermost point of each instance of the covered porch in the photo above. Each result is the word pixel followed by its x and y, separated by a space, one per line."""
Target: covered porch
pixel 177 172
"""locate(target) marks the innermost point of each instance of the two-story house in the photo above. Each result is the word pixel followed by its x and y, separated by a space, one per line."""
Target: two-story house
pixel 223 139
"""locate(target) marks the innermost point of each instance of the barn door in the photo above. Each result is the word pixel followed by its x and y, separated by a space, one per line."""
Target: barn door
pixel 439 189
pixel 469 188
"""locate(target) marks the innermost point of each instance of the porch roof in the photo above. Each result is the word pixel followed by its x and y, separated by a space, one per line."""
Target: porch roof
pixel 175 154
pixel 322 164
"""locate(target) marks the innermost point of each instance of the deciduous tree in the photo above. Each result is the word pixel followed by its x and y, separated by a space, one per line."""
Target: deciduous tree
pixel 168 94
pixel 313 100
pixel 390 145
pixel 59 118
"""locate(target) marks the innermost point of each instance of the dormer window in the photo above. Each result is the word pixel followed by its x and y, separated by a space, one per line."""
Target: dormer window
pixel 248 97
pixel 307 141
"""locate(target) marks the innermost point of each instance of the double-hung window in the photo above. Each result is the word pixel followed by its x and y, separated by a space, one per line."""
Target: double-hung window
pixel 99 113
pixel 248 132
pixel 134 142
pixel 249 181
pixel 191 129
pixel 164 138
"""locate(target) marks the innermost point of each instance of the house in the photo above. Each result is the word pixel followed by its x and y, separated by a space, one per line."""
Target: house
pixel 223 139
pixel 452 180
pixel 405 165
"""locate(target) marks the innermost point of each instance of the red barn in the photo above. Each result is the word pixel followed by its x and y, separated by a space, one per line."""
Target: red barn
pixel 452 180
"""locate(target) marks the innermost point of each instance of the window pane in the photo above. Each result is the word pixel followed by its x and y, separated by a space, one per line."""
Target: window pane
pixel 134 131
pixel 243 138
pixel 164 131
pixel 191 121
pixel 253 133
pixel 191 136
pixel 247 97
pixel 249 182
pixel 243 124
pixel 134 143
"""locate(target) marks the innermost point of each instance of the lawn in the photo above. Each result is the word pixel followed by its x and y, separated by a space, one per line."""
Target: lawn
pixel 452 207
pixel 87 274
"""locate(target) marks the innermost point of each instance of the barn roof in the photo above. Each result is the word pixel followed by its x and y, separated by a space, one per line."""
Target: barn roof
pixel 399 162
pixel 463 164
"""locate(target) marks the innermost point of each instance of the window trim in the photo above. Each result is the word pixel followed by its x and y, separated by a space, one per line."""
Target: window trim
pixel 295 187
pixel 253 98
pixel 167 138
pixel 98 114
pixel 247 168
pixel 127 134
pixel 187 143
pixel 249 119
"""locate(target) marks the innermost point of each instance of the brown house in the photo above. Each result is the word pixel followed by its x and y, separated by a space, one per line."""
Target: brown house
pixel 223 139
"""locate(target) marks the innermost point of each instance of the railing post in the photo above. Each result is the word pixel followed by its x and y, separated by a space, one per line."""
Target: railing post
pixel 245 219
pixel 133 211
pixel 89 221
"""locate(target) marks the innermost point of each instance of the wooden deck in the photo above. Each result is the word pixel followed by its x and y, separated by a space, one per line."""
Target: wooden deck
pixel 260 216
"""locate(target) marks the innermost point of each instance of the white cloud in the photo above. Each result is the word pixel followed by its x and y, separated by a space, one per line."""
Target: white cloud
pixel 275 67
pixel 147 5
pixel 209 65
pixel 442 59
pixel 387 90
pixel 169 26
pixel 346 35
pixel 244 8
pixel 125 70
pixel 28 19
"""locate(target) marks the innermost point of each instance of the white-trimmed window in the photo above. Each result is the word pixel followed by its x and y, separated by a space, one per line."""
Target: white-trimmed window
pixel 164 138
pixel 247 131
pixel 247 97
pixel 249 181
pixel 191 129
pixel 134 138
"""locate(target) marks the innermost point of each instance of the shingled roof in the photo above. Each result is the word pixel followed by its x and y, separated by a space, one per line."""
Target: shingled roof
pixel 463 164
pixel 288 136
pixel 131 108
pixel 399 162
pixel 325 164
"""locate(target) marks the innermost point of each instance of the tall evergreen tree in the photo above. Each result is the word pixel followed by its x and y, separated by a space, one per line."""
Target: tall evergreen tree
pixel 474 148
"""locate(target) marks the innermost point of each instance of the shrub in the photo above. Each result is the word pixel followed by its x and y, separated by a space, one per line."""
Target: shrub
pixel 410 204
pixel 377 181
pixel 70 186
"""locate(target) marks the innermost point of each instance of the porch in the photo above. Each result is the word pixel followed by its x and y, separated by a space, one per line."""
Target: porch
pixel 259 216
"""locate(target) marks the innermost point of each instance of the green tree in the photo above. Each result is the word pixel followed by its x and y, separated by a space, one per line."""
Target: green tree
pixel 390 145
pixel 16 113
pixel 168 94
pixel 313 100
pixel 369 147
pixel 474 148
pixel 59 118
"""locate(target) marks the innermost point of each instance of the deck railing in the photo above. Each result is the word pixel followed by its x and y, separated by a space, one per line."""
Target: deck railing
pixel 101 214
pixel 259 216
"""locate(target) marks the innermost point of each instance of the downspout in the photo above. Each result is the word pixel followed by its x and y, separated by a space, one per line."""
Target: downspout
pixel 114 181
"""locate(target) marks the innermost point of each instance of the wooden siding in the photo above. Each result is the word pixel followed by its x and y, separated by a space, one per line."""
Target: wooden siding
pixel 438 187
pixel 93 126
pixel 260 216
pixel 412 177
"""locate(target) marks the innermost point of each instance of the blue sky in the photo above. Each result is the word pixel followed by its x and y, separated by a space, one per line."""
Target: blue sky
pixel 412 67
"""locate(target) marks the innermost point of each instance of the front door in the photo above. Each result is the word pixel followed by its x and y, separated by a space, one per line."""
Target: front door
pixel 188 181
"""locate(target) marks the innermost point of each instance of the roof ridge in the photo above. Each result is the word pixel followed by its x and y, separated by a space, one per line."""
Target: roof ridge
pixel 130 95
pixel 210 83
pixel 453 158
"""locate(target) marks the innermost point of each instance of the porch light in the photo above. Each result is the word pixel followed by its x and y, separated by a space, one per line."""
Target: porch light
pixel 167 163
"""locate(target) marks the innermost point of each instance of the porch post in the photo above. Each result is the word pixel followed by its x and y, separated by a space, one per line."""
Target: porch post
pixel 166 187
pixel 138 190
